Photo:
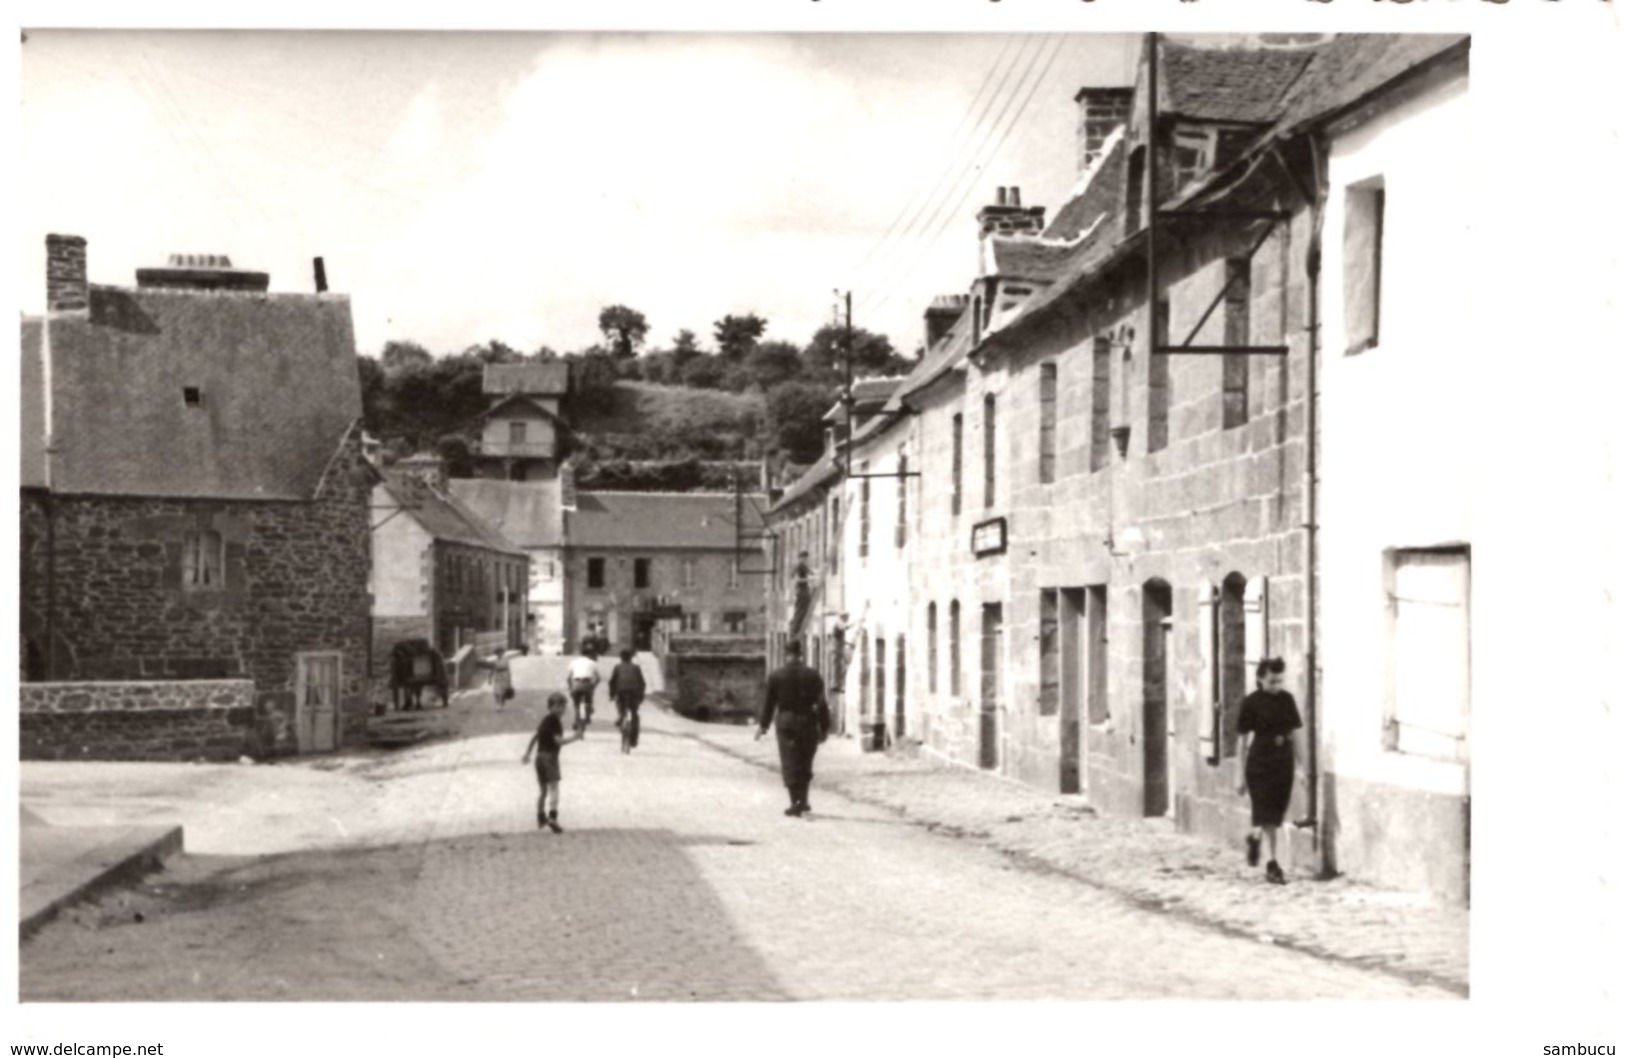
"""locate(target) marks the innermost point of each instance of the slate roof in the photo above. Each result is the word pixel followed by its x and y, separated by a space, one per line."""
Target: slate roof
pixel 821 473
pixel 1102 196
pixel 33 407
pixel 661 521
pixel 276 374
pixel 444 517
pixel 525 512
pixel 1228 84
pixel 1018 258
pixel 1353 66
pixel 868 394
pixel 529 400
pixel 546 378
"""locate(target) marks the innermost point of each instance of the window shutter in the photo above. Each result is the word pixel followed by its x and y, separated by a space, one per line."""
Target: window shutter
pixel 1256 636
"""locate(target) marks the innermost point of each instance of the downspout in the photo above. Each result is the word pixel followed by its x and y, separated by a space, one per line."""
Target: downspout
pixel 1317 202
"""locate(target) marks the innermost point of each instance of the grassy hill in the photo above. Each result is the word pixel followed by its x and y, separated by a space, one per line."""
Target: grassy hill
pixel 645 420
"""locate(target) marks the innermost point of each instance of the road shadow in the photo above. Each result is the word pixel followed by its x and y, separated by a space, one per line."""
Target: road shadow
pixel 590 915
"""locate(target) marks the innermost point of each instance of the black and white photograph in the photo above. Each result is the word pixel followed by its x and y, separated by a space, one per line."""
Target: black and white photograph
pixel 583 517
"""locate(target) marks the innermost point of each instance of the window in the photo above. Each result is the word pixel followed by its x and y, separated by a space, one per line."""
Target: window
pixel 880 677
pixel 516 433
pixel 733 622
pixel 1362 265
pixel 733 574
pixel 989 449
pixel 518 472
pixel 595 573
pixel 1238 293
pixel 691 568
pixel 1095 630
pixel 1429 696
pixel 1100 404
pixel 1193 155
pixel 1047 383
pixel 640 573
pixel 931 648
pixel 900 699
pixel 690 622
pixel 1159 385
pixel 1224 615
pixel 192 396
pixel 1049 653
pixel 203 561
pixel 863 513
pixel 902 500
pixel 959 464
pixel 955 678
pixel 1134 191
pixel 835 534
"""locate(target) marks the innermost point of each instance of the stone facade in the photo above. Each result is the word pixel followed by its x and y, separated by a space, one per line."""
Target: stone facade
pixel 182 721
pixel 703 582
pixel 295 581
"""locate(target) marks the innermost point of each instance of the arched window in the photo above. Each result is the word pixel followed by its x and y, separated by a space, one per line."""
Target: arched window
pixel 955 675
pixel 931 648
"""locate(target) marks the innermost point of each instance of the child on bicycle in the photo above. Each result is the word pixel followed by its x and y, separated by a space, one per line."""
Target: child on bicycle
pixel 626 686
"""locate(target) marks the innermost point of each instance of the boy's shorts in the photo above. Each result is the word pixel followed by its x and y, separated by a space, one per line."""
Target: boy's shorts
pixel 547 767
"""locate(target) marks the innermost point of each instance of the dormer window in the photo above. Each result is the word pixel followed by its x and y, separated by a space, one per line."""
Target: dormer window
pixel 193 396
pixel 1193 154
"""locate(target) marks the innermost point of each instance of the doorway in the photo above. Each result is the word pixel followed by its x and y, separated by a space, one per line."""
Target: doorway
pixel 317 679
pixel 900 725
pixel 992 648
pixel 1072 646
pixel 1155 730
pixel 643 629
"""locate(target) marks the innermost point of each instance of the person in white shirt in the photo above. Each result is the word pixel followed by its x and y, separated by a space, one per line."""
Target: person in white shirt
pixel 583 682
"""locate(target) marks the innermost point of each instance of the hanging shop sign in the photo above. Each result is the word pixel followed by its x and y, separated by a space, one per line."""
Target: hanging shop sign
pixel 989 538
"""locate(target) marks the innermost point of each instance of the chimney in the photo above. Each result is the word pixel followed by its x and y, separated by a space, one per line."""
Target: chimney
pixel 425 468
pixel 1007 216
pixel 205 271
pixel 1100 111
pixel 320 268
pixel 941 315
pixel 67 284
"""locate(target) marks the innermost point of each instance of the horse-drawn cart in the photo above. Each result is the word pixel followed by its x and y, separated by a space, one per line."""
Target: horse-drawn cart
pixel 413 665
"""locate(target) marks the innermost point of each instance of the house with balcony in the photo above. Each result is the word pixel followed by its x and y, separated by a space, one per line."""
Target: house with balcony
pixel 520 431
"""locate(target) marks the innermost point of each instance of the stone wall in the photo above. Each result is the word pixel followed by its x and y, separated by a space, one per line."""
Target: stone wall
pixel 295 580
pixel 180 721
pixel 713 687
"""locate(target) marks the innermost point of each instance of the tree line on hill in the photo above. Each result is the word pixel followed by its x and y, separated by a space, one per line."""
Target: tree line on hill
pixel 414 401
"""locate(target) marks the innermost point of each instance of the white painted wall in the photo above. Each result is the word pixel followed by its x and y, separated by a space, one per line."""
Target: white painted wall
pixel 399 549
pixel 1399 427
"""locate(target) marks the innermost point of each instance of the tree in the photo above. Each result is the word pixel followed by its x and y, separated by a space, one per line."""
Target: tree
pixel 458 455
pixel 703 372
pixel 374 394
pixel 495 351
pixel 398 356
pixel 872 353
pixel 624 329
pixel 795 414
pixel 592 380
pixel 685 347
pixel 771 363
pixel 737 335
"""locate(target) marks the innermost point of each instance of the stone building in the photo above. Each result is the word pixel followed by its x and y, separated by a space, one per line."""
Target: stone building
pixel 1111 526
pixel 631 553
pixel 194 525
pixel 440 571
pixel 806 516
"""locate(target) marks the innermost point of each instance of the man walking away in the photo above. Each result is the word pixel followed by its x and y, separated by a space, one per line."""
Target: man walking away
pixel 583 682
pixel 627 687
pixel 795 697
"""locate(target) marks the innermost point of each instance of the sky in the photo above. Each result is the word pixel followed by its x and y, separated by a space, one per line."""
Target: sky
pixel 463 187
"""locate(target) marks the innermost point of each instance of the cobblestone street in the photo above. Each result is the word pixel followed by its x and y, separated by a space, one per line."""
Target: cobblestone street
pixel 677 878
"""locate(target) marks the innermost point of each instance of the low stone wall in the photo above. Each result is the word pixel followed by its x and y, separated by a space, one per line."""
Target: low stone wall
pixel 175 721
pixel 727 689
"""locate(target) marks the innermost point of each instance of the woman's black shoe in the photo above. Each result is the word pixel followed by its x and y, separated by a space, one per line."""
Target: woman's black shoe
pixel 1272 873
pixel 1252 850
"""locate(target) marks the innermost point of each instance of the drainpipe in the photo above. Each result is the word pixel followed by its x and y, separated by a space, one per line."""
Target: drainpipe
pixel 1311 490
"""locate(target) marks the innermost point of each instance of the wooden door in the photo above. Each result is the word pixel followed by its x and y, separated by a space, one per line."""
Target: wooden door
pixel 318 677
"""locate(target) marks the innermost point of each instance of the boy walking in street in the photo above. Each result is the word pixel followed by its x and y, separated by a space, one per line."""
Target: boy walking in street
pixel 546 742
pixel 626 686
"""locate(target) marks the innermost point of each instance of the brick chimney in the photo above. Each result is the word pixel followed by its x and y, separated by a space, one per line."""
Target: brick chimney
pixel 1100 111
pixel 67 284
pixel 941 315
pixel 1007 216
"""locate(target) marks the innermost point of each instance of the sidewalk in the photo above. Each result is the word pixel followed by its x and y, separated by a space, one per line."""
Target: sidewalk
pixel 61 866
pixel 1148 863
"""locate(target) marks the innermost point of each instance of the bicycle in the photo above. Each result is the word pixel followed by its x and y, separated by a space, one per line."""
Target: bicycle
pixel 630 725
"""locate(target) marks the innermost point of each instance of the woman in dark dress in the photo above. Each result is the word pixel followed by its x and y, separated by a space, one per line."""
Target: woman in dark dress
pixel 1268 726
